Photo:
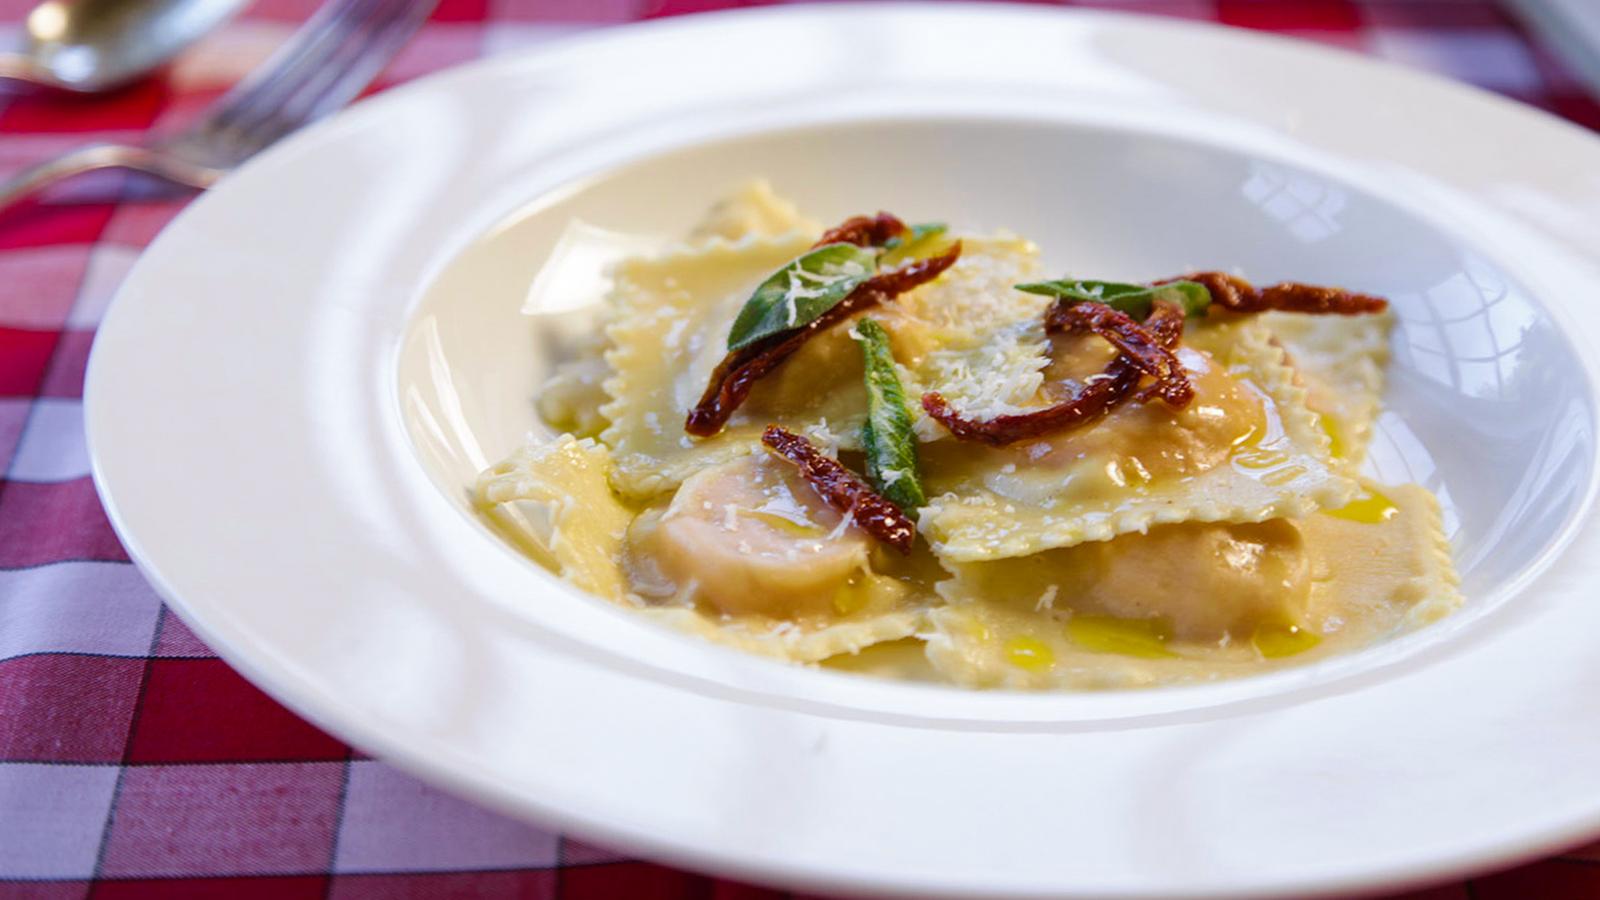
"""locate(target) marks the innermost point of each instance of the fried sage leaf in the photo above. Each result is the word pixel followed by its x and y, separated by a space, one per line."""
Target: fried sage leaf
pixel 738 372
pixel 886 435
pixel 801 291
pixel 922 240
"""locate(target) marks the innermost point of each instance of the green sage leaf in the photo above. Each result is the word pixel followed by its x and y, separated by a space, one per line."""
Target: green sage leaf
pixel 890 444
pixel 1135 300
pixel 798 293
pixel 925 239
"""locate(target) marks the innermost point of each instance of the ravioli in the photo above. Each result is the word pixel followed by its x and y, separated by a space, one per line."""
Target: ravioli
pixel 570 399
pixel 552 500
pixel 1341 360
pixel 1151 546
pixel 671 316
pixel 1197 601
pixel 751 550
pixel 802 642
pixel 752 209
pixel 1384 552
pixel 1245 450
pixel 668 332
pixel 971 335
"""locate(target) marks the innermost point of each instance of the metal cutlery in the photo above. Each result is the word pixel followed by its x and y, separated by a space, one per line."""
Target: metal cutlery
pixel 321 68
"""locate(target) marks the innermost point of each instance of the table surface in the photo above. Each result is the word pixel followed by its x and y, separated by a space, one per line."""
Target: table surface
pixel 133 762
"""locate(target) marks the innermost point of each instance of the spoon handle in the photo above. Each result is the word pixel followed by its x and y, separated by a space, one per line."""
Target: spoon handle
pixel 32 180
pixel 17 67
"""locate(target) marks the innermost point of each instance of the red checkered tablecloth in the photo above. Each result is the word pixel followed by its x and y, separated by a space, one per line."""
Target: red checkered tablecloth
pixel 133 762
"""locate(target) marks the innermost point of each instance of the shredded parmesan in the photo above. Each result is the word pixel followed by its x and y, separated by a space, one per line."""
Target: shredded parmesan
pixel 824 437
pixel 839 529
pixel 1000 377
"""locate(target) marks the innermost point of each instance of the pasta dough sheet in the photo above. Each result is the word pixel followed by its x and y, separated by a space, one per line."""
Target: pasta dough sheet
pixel 554 502
pixel 1378 567
pixel 1341 361
pixel 667 335
pixel 1245 450
pixel 672 312
pixel 752 209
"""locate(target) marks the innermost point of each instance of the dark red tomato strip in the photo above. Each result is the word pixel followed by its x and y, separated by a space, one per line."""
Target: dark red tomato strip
pixel 843 489
pixel 739 371
pixel 895 282
pixel 1138 345
pixel 1094 401
pixel 1165 323
pixel 1113 386
pixel 864 231
pixel 1238 295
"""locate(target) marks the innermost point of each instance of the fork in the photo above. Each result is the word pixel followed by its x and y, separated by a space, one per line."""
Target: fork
pixel 322 67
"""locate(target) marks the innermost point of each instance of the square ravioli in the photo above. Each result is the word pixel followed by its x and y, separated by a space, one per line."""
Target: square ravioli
pixel 1340 359
pixel 752 208
pixel 552 501
pixel 669 323
pixel 1197 601
pixel 701 572
pixel 1245 450
pixel 671 315
pixel 570 400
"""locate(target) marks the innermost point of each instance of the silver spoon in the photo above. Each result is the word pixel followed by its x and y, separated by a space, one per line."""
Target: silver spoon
pixel 88 46
pixel 322 67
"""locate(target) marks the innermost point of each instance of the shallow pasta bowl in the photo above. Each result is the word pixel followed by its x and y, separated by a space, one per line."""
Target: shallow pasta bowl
pixel 290 398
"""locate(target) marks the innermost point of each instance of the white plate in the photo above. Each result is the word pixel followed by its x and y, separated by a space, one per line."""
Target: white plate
pixel 300 377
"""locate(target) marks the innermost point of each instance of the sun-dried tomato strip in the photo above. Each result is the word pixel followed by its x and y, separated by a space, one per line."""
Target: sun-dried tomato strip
pixel 864 231
pixel 1165 322
pixel 1099 396
pixel 843 489
pixel 1137 345
pixel 895 282
pixel 1095 400
pixel 739 371
pixel 1238 295
pixel 1292 296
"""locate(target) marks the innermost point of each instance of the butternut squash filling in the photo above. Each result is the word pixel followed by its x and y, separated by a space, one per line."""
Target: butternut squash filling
pixel 1196 601
pixel 750 537
pixel 1133 447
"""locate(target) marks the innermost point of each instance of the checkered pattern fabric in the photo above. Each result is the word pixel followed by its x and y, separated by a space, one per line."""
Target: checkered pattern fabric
pixel 133 762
